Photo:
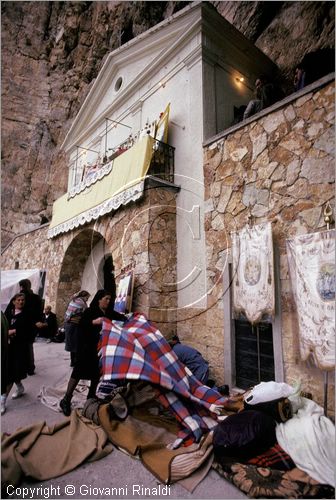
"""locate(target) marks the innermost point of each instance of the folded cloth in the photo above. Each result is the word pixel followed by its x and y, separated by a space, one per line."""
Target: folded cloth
pixel 90 410
pixel 118 408
pixel 265 482
pixel 145 435
pixel 136 350
pixel 184 465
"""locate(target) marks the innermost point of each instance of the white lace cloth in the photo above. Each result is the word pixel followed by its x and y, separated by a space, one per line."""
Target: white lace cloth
pixel 126 196
pixel 91 179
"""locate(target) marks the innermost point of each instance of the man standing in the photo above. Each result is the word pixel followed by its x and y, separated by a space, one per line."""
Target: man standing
pixel 34 307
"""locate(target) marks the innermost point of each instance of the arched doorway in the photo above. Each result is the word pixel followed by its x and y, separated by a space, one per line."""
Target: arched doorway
pixel 108 275
pixel 81 267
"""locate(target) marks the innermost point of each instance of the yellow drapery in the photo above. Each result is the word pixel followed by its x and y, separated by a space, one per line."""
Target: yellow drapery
pixel 128 169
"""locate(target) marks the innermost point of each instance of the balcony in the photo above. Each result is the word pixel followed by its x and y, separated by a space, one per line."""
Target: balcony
pixel 109 185
pixel 162 163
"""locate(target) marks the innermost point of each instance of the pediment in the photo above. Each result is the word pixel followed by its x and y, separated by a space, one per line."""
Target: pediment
pixel 130 66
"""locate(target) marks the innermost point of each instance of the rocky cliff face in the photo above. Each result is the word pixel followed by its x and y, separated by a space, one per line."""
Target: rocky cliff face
pixel 53 51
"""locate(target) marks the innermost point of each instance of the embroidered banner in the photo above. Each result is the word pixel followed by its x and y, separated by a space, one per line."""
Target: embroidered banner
pixel 253 271
pixel 312 269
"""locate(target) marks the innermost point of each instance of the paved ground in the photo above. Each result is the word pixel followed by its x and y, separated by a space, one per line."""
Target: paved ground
pixel 117 470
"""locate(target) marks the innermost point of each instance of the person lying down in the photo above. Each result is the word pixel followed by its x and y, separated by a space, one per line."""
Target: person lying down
pixel 136 350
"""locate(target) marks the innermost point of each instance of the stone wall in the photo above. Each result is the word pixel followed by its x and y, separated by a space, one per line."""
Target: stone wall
pixel 279 167
pixel 140 235
pixel 52 53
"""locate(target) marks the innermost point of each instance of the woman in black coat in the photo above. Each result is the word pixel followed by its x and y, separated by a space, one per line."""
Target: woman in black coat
pixel 87 362
pixel 20 327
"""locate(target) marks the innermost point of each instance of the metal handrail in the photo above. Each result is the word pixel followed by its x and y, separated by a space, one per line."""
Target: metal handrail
pixel 162 164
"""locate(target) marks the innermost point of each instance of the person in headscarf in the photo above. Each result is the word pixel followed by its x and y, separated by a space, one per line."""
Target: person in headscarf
pixel 19 324
pixel 87 361
pixel 73 314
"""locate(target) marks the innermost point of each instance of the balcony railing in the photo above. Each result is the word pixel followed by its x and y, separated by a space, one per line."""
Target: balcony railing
pixel 162 164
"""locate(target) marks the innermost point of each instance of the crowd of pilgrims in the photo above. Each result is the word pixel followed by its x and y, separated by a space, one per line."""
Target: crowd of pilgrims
pixel 252 430
pixel 24 319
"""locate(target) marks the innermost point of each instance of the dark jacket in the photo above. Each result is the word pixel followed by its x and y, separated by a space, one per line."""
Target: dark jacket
pixel 18 347
pixel 50 330
pixel 193 360
pixel 87 362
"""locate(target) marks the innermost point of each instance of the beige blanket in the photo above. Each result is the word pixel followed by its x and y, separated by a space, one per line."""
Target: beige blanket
pixel 42 452
pixel 51 396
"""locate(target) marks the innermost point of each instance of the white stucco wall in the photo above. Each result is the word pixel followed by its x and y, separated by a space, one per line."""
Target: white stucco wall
pixel 192 62
pixel 182 88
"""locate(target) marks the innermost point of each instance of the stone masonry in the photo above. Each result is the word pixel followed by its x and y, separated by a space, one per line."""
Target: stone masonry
pixel 140 235
pixel 278 168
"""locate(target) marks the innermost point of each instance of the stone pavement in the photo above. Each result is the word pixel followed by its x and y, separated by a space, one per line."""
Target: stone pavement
pixel 117 470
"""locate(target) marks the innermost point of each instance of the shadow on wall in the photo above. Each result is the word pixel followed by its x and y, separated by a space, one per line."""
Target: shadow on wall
pixel 71 273
pixel 311 68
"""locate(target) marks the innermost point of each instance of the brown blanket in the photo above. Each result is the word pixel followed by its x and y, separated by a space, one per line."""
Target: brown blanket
pixel 43 452
pixel 147 435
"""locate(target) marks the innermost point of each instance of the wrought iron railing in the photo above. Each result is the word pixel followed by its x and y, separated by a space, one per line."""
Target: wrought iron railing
pixel 162 164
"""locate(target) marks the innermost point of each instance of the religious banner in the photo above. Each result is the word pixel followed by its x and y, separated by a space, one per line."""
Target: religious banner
pixel 253 272
pixel 312 269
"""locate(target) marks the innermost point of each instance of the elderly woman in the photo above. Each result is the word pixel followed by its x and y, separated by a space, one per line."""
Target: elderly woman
pixel 20 325
pixel 73 314
pixel 87 362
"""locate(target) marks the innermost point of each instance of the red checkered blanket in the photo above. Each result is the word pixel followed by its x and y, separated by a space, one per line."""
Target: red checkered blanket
pixel 136 350
pixel 275 457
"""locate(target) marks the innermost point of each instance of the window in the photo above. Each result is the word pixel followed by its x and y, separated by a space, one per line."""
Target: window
pixel 251 354
pixel 118 84
pixel 254 356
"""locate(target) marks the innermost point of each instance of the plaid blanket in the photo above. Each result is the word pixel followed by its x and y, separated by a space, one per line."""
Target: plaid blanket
pixel 136 350
pixel 74 310
pixel 274 457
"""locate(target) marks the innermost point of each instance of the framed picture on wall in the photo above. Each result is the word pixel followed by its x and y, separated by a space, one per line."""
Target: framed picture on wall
pixel 123 302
